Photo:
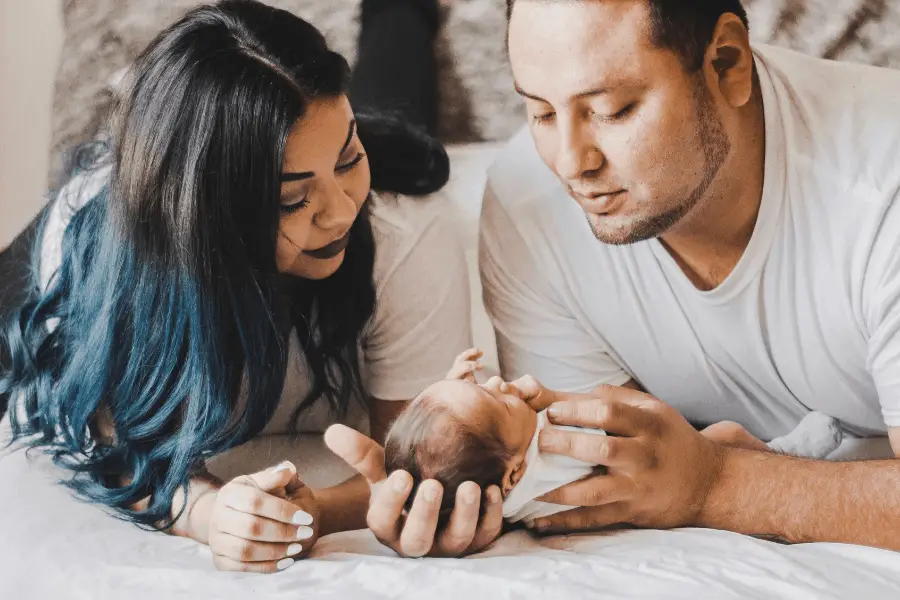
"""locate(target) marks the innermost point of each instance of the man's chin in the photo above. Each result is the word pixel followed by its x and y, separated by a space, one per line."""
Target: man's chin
pixel 620 232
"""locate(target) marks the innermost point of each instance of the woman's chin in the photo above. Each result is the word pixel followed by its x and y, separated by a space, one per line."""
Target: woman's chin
pixel 309 267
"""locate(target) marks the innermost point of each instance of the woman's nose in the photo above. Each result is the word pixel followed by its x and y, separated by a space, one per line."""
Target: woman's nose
pixel 338 212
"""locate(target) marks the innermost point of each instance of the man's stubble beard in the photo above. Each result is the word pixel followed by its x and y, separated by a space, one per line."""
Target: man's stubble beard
pixel 715 145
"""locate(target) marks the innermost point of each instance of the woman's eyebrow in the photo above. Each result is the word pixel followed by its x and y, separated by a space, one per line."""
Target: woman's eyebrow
pixel 285 177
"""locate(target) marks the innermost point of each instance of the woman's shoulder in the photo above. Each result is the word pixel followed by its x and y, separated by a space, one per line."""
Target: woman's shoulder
pixel 69 200
pixel 404 227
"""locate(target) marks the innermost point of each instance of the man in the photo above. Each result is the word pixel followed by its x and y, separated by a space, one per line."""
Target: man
pixel 711 228
pixel 718 227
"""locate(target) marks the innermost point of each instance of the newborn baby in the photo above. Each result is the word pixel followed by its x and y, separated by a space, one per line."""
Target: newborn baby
pixel 457 430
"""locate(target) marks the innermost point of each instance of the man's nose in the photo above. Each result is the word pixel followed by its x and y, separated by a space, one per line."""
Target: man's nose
pixel 578 155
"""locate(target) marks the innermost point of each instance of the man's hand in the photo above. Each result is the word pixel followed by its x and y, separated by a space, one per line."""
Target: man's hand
pixel 659 468
pixel 416 534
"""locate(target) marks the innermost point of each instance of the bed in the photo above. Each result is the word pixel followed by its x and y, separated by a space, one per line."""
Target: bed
pixel 53 546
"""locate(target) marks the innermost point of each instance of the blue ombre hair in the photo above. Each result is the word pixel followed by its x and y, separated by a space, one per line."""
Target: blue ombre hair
pixel 168 308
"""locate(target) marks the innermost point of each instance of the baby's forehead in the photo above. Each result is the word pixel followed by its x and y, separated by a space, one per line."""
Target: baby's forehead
pixel 453 392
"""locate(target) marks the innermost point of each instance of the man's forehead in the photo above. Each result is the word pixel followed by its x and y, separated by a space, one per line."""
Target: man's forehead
pixel 580 47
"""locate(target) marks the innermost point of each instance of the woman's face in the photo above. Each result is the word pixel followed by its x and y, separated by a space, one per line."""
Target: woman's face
pixel 324 182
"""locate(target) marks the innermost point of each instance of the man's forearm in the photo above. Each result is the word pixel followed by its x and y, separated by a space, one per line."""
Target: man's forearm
pixel 800 500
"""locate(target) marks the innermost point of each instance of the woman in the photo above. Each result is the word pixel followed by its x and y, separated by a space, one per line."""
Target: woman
pixel 221 270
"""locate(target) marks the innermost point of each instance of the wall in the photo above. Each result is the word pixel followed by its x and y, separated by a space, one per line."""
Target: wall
pixel 31 35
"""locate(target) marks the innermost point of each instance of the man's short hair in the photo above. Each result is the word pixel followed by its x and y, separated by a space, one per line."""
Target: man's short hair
pixel 684 26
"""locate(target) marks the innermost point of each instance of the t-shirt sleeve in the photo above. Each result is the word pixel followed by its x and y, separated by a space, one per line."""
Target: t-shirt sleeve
pixel 423 313
pixel 882 314
pixel 536 334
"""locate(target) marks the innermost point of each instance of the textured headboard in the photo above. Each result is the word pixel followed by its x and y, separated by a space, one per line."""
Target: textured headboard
pixel 104 36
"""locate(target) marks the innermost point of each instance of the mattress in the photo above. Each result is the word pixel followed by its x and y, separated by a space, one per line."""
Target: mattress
pixel 54 546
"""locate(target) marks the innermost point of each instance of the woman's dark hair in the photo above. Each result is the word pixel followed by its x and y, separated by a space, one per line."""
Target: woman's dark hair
pixel 684 26
pixel 167 319
pixel 429 441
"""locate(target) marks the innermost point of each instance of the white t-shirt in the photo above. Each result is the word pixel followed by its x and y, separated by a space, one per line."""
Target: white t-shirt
pixel 810 316
pixel 422 310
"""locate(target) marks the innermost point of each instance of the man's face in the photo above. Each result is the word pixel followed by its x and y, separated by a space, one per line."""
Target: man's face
pixel 634 137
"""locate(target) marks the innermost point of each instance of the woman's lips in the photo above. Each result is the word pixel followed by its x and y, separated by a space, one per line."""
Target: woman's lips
pixel 331 250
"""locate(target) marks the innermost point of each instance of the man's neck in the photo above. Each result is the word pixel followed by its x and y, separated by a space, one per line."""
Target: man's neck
pixel 708 243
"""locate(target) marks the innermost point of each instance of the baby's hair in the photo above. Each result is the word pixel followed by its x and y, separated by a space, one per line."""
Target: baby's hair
pixel 430 441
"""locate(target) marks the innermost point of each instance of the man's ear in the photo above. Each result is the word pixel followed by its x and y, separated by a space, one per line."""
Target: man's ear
pixel 729 61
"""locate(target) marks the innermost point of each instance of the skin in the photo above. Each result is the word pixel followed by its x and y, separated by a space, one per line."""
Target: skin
pixel 263 521
pixel 661 472
pixel 493 402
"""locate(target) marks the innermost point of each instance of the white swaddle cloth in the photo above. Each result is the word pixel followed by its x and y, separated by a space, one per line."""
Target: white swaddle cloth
pixel 544 473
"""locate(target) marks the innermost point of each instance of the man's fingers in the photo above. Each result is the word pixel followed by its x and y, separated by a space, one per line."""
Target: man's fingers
pixel 386 508
pixel 417 536
pixel 491 520
pixel 591 491
pixel 460 531
pixel 612 416
pixel 583 519
pixel 596 449
pixel 358 451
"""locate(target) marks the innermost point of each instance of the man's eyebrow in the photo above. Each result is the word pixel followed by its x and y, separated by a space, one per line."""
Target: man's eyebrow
pixel 600 91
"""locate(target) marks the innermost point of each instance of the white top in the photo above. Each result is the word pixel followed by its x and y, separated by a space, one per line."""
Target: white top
pixel 808 319
pixel 422 311
pixel 544 472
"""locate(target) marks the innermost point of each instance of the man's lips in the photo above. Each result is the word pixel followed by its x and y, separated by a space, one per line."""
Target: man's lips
pixel 598 203
pixel 332 249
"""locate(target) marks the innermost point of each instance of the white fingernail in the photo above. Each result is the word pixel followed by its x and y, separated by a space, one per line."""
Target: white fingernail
pixel 285 466
pixel 294 549
pixel 304 533
pixel 302 518
pixel 284 563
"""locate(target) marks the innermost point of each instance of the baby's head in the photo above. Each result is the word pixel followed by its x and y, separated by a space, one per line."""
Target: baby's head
pixel 457 431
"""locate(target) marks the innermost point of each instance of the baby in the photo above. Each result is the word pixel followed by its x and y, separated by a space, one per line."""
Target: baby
pixel 458 430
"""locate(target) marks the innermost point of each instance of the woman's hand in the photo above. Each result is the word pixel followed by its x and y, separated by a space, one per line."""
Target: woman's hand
pixel 262 523
pixel 416 534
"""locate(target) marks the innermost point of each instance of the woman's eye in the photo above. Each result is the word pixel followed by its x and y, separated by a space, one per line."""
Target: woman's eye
pixel 290 208
pixel 544 118
pixel 347 166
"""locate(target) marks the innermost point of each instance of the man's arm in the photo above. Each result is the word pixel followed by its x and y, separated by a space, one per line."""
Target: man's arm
pixel 799 500
pixel 662 473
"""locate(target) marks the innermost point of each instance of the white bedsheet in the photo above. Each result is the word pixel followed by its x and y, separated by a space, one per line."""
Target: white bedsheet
pixel 55 547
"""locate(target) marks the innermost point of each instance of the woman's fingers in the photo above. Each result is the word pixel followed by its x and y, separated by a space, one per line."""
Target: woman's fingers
pixel 386 508
pixel 417 536
pixel 491 520
pixel 243 497
pixel 242 550
pixel 358 451
pixel 460 530
pixel 223 563
pixel 259 529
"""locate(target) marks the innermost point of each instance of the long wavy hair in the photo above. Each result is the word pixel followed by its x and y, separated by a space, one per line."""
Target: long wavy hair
pixel 167 309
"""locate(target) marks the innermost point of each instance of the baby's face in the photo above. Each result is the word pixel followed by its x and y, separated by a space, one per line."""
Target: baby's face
pixel 485 403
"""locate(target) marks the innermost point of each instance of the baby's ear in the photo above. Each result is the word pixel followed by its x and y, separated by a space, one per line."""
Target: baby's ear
pixel 513 476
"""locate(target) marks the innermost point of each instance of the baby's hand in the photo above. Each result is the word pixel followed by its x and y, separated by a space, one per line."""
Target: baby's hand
pixel 466 364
